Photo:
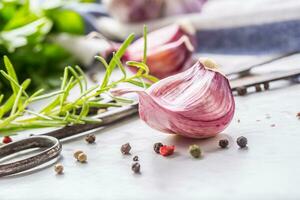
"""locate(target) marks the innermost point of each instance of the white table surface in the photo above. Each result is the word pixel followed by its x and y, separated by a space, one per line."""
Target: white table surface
pixel 268 169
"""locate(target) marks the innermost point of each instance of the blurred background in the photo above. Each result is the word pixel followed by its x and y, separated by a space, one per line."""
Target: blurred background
pixel 42 37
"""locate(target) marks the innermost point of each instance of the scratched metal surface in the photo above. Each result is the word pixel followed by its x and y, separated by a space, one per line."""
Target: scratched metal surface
pixel 268 169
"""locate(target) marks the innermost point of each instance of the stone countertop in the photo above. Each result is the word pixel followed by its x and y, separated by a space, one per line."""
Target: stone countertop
pixel 268 169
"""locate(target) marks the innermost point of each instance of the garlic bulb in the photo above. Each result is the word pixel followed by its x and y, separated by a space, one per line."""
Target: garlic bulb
pixel 197 103
pixel 177 7
pixel 143 10
pixel 168 50
pixel 134 10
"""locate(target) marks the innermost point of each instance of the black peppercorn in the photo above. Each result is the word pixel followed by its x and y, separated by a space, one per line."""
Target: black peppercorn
pixel 242 141
pixel 223 143
pixel 135 158
pixel 90 138
pixel 258 88
pixel 266 85
pixel 241 91
pixel 136 167
pixel 157 146
pixel 125 148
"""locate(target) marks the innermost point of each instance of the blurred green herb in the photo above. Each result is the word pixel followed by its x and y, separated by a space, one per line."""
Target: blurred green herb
pixel 61 109
pixel 25 29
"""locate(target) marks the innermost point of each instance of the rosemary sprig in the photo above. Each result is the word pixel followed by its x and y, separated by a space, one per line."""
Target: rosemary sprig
pixel 61 110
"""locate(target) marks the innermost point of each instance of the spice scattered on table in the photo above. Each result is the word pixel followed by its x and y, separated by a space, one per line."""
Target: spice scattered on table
pixel 90 138
pixel 157 146
pixel 238 120
pixel 195 151
pixel 125 148
pixel 266 86
pixel 166 150
pixel 242 141
pixel 258 88
pixel 6 140
pixel 136 167
pixel 135 158
pixel 241 91
pixel 76 153
pixel 298 115
pixel 82 157
pixel 273 125
pixel 223 143
pixel 58 168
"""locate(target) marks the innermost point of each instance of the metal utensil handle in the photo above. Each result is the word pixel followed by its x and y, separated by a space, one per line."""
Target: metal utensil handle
pixel 53 150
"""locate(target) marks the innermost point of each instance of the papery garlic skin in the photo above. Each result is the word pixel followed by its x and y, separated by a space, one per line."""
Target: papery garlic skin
pixel 134 10
pixel 197 103
pixel 168 50
pixel 178 7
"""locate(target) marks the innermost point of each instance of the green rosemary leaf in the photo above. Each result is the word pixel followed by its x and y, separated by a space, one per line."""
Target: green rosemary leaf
pixel 15 85
pixel 143 82
pixel 7 120
pixel 66 92
pixel 91 120
pixel 112 63
pixel 150 78
pixel 120 65
pixel 65 78
pixel 16 103
pixel 84 111
pixel 6 107
pixel 11 72
pixel 145 44
pixel 86 93
pixel 32 125
pixel 138 83
pixel 75 74
pixel 38 115
pixel 122 99
pixel 139 65
pixel 82 75
pixel 45 96
pixel 103 105
pixel 50 106
pixel 103 61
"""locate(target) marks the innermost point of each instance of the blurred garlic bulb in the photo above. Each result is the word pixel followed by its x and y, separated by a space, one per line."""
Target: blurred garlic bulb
pixel 177 7
pixel 143 10
pixel 169 48
pixel 134 10
pixel 197 103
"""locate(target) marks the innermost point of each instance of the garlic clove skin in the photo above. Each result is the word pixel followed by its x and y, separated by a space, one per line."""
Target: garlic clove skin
pixel 168 51
pixel 168 59
pixel 134 10
pixel 165 35
pixel 197 103
pixel 179 7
